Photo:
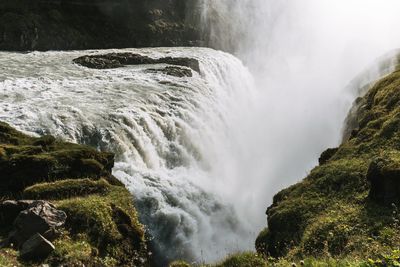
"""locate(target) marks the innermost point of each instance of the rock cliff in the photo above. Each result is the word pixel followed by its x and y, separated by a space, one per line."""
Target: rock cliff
pixel 89 24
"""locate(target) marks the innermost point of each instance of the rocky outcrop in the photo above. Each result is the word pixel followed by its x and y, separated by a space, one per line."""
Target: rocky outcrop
pixel 25 161
pixel 84 24
pixel 35 226
pixel 40 217
pixel 347 206
pixel 117 60
pixel 91 220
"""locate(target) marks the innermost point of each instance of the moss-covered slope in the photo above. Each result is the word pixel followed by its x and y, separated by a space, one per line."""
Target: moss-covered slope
pixel 102 227
pixel 347 206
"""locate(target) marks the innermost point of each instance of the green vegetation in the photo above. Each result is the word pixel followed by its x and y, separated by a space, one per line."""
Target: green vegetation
pixel 179 264
pixel 249 259
pixel 346 207
pixel 242 260
pixel 67 189
pixel 102 227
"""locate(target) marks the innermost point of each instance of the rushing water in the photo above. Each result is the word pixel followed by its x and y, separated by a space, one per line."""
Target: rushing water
pixel 303 55
pixel 203 155
pixel 172 136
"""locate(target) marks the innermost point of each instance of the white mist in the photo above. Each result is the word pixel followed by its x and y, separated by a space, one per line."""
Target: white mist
pixel 302 54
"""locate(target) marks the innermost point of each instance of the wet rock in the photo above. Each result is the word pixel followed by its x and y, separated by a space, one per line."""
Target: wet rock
pixel 36 247
pixel 173 71
pixel 384 176
pixel 116 60
pixel 40 217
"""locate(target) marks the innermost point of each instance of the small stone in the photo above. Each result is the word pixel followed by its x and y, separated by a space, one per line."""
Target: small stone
pixel 294 264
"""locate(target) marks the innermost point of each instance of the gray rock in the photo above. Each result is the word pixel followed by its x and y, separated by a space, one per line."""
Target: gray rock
pixel 36 247
pixel 40 217
pixel 117 60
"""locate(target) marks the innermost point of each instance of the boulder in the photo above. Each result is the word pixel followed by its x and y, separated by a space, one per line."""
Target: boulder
pixel 36 247
pixel 40 217
pixel 116 60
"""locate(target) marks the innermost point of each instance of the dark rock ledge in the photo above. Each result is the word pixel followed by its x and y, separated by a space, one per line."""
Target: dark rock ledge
pixel 117 60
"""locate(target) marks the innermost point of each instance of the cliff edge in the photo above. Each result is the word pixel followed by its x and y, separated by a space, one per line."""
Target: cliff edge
pixel 92 24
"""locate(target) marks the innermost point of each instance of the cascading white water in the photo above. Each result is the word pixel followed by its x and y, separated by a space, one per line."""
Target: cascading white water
pixel 172 136
pixel 204 155
pixel 303 55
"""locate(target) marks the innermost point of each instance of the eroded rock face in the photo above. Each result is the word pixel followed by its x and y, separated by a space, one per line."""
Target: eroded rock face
pixel 85 24
pixel 40 217
pixel 117 60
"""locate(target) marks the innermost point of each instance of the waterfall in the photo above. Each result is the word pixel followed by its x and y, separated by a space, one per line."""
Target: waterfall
pixel 303 56
pixel 204 155
pixel 174 137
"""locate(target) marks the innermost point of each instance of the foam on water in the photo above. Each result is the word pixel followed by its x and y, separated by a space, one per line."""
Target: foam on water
pixel 172 136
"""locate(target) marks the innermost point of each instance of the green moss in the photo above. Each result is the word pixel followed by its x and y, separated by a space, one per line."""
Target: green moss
pixel 102 227
pixel 179 264
pixel 72 250
pixel 246 259
pixel 110 223
pixel 66 189
pixel 341 208
pixel 27 160
pixel 8 258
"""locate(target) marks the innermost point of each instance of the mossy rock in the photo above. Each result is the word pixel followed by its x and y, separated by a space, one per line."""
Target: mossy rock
pixel 247 259
pixel 344 206
pixel 102 227
pixel 110 224
pixel 25 161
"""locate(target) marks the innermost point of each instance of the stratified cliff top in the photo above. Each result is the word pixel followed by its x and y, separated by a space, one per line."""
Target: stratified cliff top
pixel 85 24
